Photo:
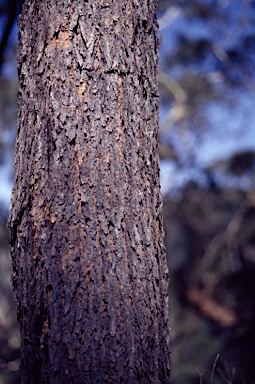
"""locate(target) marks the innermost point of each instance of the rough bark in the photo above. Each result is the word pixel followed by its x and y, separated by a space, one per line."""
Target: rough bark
pixel 86 236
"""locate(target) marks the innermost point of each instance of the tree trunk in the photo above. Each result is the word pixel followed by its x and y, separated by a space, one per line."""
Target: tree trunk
pixel 86 236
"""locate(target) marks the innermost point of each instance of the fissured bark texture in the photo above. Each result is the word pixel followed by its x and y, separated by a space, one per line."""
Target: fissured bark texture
pixel 86 236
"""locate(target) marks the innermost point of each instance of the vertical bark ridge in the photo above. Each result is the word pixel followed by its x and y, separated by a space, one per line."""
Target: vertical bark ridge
pixel 89 269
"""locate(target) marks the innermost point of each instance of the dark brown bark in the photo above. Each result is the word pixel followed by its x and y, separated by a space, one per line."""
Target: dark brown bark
pixel 89 269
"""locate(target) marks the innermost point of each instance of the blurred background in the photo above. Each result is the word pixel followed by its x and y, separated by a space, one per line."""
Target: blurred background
pixel 207 159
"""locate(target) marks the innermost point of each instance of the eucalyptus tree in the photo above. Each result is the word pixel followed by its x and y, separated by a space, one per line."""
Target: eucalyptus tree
pixel 85 225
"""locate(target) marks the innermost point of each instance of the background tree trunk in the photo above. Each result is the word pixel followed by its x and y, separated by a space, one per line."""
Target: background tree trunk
pixel 89 269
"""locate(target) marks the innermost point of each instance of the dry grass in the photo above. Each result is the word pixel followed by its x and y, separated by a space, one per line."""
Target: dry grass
pixel 227 375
